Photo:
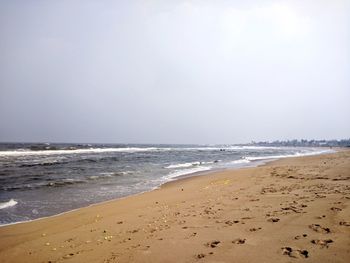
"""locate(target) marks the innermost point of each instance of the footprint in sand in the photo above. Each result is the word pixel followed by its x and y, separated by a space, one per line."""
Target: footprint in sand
pixel 273 219
pixel 295 253
pixel 254 229
pixel 68 255
pixel 336 209
pixel 213 244
pixel 239 241
pixel 201 255
pixel 298 237
pixel 322 243
pixel 318 228
pixel 230 223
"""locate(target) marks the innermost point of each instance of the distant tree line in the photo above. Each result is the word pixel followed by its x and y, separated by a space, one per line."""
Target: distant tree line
pixel 305 143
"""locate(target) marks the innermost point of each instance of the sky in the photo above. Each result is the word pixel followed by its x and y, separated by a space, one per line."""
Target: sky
pixel 153 71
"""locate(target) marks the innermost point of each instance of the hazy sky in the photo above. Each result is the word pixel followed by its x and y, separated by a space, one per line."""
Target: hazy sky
pixel 174 71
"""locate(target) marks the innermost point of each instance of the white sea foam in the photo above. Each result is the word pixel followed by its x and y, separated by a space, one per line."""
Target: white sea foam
pixel 240 161
pixel 78 151
pixel 227 148
pixel 100 176
pixel 182 165
pixel 105 175
pixel 93 177
pixel 8 204
pixel 298 154
pixel 182 172
pixel 127 149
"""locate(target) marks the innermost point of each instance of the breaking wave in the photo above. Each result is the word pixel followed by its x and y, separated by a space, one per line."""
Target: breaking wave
pixel 182 172
pixel 78 151
pixel 182 165
pixel 240 161
pixel 8 204
pixel 24 152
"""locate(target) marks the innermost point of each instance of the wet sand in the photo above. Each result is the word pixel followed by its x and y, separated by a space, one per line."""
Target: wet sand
pixel 294 209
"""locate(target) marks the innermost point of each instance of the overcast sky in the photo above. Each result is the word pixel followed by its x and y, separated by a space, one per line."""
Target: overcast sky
pixel 174 71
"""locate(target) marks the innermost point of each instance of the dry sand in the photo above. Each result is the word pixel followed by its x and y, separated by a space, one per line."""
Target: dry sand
pixel 290 210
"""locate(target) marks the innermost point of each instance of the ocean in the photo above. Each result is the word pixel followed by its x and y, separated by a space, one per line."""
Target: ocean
pixel 40 180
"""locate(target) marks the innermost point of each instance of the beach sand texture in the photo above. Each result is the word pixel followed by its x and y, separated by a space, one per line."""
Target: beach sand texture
pixel 290 210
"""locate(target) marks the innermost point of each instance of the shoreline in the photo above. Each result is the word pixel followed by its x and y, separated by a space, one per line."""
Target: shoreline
pixel 251 164
pixel 282 210
pixel 172 180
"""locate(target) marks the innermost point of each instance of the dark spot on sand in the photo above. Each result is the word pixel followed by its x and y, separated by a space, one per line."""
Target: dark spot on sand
pixel 201 255
pixel 239 241
pixel 305 253
pixel 213 244
pixel 273 219
pixel 254 229
pixel 298 237
pixel 230 223
pixel 336 209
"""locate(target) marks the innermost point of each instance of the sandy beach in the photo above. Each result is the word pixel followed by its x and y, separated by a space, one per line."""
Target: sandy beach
pixel 289 210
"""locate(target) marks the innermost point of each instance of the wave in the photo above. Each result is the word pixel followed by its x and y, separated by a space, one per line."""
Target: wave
pixel 182 165
pixel 45 162
pixel 240 161
pixel 79 151
pixel 227 148
pixel 8 204
pixel 182 172
pixel 64 182
pixel 298 154
pixel 21 152
pixel 57 183
pixel 108 175
pixel 185 165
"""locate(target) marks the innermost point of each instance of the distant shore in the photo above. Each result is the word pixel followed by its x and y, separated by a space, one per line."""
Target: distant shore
pixel 289 208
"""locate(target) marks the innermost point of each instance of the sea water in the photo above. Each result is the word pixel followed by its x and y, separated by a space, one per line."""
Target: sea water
pixel 40 180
